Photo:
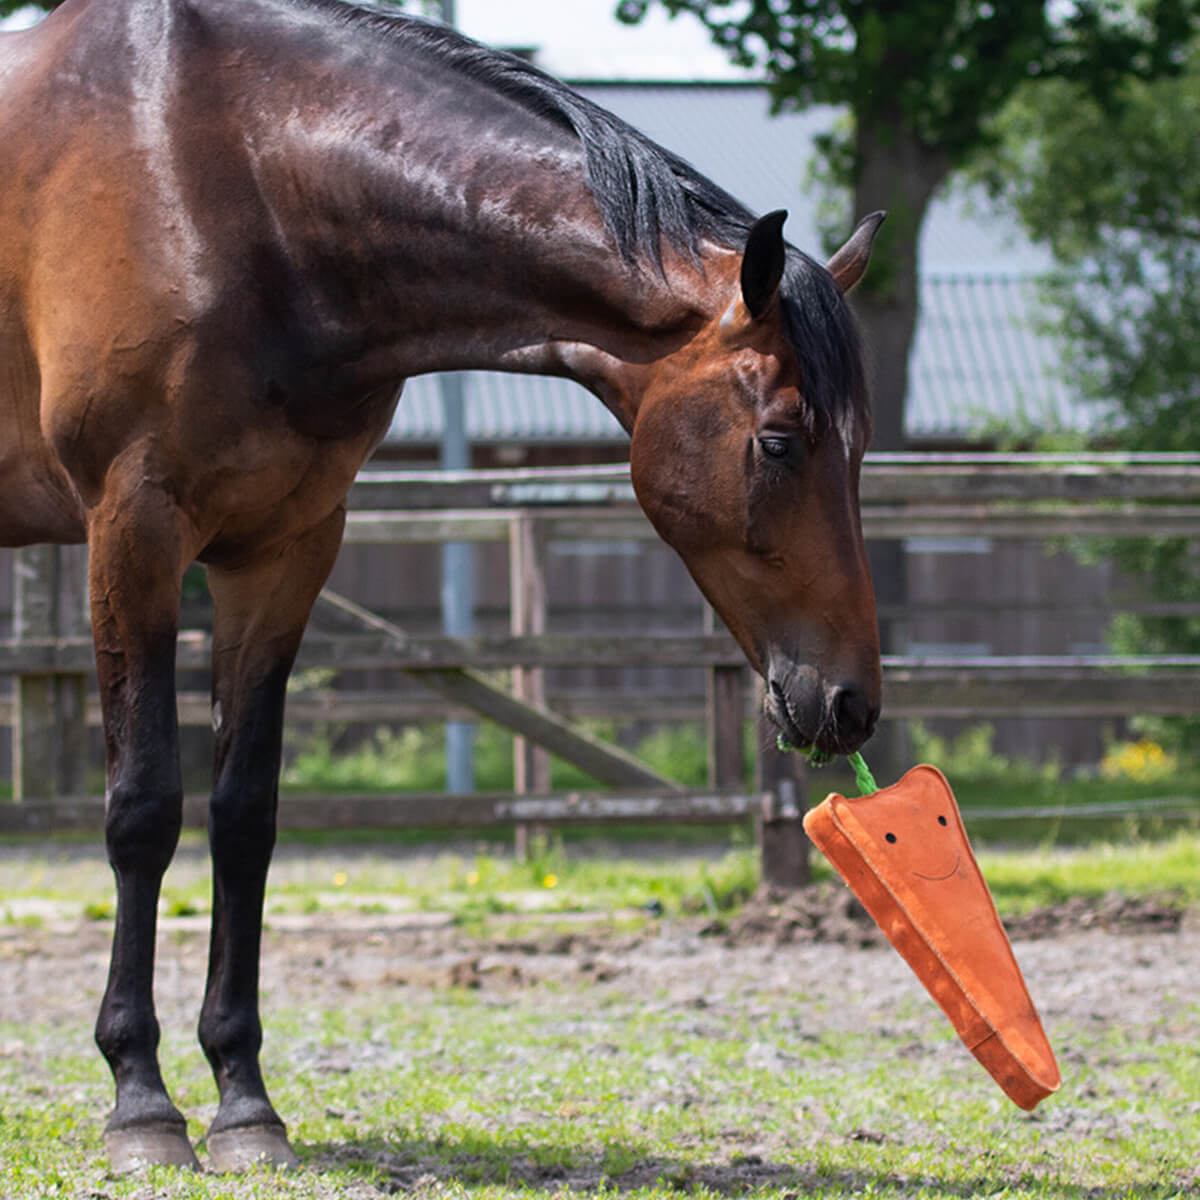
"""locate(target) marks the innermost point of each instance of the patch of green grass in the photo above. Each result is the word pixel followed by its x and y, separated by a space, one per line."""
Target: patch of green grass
pixel 369 874
pixel 552 880
pixel 1024 880
pixel 517 1097
pixel 988 784
pixel 1068 821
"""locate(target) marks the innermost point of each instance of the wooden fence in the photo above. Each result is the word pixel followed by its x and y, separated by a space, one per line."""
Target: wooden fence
pixel 1017 496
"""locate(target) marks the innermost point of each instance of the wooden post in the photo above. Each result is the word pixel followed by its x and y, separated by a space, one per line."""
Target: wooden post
pixel 50 723
pixel 724 713
pixel 527 615
pixel 783 844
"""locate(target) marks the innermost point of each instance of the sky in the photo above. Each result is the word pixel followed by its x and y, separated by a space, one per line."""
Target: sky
pixel 581 39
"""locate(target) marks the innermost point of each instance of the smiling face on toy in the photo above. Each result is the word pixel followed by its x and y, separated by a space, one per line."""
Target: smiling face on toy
pixel 917 838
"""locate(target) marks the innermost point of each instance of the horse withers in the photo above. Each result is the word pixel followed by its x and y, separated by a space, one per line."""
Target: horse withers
pixel 229 230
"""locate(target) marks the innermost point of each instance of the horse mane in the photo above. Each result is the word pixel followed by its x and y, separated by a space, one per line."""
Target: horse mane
pixel 648 195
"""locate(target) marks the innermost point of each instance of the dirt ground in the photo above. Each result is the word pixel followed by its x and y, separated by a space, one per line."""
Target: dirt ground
pixel 1111 960
pixel 1096 967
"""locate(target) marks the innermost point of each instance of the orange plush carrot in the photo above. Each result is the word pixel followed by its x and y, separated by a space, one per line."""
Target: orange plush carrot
pixel 905 854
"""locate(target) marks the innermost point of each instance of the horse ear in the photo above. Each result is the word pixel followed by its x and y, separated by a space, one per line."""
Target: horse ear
pixel 763 262
pixel 849 264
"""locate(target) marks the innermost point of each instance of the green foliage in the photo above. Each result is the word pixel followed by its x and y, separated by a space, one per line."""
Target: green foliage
pixel 386 761
pixel 413 759
pixel 971 755
pixel 1115 191
pixel 678 751
pixel 1143 792
pixel 937 69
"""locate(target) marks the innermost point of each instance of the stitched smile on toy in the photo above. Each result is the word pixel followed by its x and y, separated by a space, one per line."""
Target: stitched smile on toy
pixel 919 844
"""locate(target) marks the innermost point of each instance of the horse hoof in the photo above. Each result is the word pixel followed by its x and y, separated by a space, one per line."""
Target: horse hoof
pixel 250 1146
pixel 137 1147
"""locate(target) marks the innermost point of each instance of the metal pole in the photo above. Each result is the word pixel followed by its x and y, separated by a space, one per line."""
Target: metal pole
pixel 458 579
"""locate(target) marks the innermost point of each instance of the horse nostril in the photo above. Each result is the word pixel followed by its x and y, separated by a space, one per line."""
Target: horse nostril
pixel 853 712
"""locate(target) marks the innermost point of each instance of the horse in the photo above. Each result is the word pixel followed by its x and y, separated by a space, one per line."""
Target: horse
pixel 229 231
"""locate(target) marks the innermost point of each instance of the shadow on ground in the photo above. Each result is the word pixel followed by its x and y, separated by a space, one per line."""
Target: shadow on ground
pixel 418 1165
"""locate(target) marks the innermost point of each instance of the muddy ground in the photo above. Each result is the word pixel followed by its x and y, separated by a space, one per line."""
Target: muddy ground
pixel 1111 959
pixel 1104 965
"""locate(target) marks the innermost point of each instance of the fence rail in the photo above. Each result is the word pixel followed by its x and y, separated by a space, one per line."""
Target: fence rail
pixel 995 519
pixel 438 810
pixel 886 479
pixel 1047 685
pixel 903 495
pixel 1024 496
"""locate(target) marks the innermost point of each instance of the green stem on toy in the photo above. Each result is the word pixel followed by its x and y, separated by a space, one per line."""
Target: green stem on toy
pixel 863 778
pixel 862 774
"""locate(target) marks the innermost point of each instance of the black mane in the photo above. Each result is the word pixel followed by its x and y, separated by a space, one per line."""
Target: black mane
pixel 647 195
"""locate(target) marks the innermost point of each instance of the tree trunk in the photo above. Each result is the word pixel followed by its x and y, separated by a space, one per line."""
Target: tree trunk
pixel 896 172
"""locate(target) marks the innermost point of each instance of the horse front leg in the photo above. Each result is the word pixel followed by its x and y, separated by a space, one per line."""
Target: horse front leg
pixel 260 610
pixel 137 554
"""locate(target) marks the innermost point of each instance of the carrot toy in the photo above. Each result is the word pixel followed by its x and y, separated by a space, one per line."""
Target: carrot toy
pixel 904 852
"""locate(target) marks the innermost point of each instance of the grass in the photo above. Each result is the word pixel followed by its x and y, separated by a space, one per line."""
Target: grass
pixel 522 1094
pixel 527 1092
pixel 1025 880
pixel 46 881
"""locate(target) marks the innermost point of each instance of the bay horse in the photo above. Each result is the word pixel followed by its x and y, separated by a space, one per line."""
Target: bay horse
pixel 229 230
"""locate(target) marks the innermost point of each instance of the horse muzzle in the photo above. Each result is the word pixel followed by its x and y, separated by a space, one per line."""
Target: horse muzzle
pixel 833 718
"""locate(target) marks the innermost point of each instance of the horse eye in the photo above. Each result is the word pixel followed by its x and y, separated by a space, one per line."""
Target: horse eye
pixel 775 447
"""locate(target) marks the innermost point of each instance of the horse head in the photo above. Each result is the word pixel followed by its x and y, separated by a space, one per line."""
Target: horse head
pixel 746 456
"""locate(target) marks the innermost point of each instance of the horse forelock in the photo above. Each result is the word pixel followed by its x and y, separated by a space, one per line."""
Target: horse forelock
pixel 825 338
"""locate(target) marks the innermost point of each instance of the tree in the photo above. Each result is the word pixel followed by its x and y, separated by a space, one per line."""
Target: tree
pixel 922 81
pixel 1116 193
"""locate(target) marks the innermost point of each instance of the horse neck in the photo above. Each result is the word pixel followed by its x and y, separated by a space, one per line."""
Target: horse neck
pixel 468 237
pixel 516 279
